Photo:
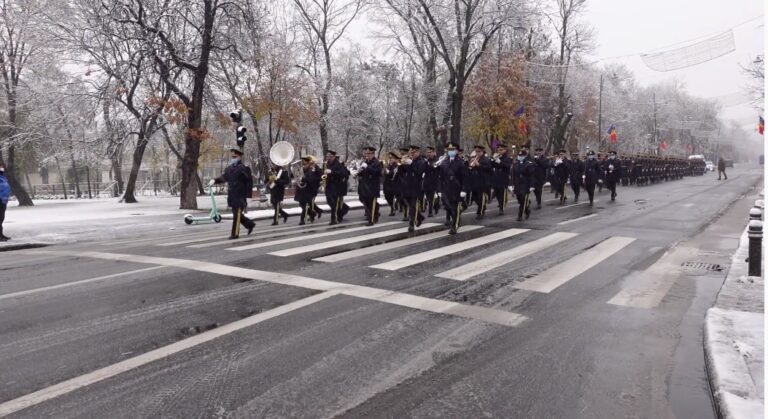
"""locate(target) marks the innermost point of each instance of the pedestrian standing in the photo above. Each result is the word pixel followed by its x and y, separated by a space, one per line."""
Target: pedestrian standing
pixel 5 195
pixel 239 188
pixel 721 168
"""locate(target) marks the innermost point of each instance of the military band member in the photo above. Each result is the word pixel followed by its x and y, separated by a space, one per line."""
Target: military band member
pixel 501 165
pixel 307 188
pixel 369 185
pixel 402 205
pixel 576 166
pixel 277 181
pixel 413 169
pixel 452 175
pixel 593 175
pixel 561 174
pixel 524 181
pixel 541 163
pixel 612 169
pixel 479 173
pixel 335 184
pixel 239 188
pixel 430 184
pixel 391 183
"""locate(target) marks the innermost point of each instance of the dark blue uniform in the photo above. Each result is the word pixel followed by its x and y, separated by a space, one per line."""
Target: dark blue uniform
pixel 369 188
pixel 593 174
pixel 335 189
pixel 239 188
pixel 412 176
pixel 478 183
pixel 277 194
pixel 576 167
pixel 524 179
pixel 541 166
pixel 430 187
pixel 306 194
pixel 562 173
pixel 452 177
pixel 502 170
pixel 391 186
pixel 612 170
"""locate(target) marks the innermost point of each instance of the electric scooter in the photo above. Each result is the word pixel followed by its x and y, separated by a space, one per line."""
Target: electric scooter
pixel 214 215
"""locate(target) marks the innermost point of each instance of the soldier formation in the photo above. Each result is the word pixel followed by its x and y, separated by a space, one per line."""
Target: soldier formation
pixel 416 184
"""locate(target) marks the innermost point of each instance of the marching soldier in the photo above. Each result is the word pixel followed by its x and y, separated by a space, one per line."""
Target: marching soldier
pixel 501 166
pixel 402 205
pixel 524 180
pixel 278 180
pixel 593 175
pixel 239 186
pixel 479 172
pixel 542 166
pixel 430 183
pixel 413 169
pixel 369 185
pixel 335 184
pixel 307 188
pixel 612 168
pixel 452 175
pixel 576 167
pixel 562 173
pixel 391 189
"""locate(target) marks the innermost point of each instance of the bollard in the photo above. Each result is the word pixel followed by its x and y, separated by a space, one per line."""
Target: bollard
pixel 755 233
pixel 755 214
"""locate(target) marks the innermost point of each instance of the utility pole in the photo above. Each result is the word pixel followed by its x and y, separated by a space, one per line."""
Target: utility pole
pixel 600 117
pixel 655 127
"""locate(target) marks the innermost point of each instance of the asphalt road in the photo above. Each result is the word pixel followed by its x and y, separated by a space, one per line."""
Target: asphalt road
pixel 557 316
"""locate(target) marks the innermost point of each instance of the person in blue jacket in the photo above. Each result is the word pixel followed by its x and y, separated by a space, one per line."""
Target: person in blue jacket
pixel 5 195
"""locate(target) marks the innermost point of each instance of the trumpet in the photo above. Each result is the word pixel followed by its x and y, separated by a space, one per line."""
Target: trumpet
pixel 324 177
pixel 495 156
pixel 440 161
pixel 475 161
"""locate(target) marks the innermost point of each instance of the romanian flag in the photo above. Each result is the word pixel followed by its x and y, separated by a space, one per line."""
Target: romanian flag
pixel 523 126
pixel 761 125
pixel 614 135
pixel 664 145
pixel 520 111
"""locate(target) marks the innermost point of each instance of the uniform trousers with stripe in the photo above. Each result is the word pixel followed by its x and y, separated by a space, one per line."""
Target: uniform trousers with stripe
pixel 453 206
pixel 239 218
pixel 480 198
pixel 413 210
pixel 501 196
pixel 371 205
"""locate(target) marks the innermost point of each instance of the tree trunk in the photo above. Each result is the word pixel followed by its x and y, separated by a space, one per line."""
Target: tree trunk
pixel 456 110
pixel 77 178
pixel 62 178
pixel 117 172
pixel 88 180
pixel 200 187
pixel 138 155
pixel 10 173
pixel 29 184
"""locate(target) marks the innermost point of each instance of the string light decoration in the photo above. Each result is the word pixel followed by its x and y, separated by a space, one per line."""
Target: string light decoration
pixel 691 55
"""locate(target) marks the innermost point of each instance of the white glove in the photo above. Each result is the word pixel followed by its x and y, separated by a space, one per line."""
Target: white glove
pixel 364 165
pixel 531 189
pixel 583 177
pixel 511 188
pixel 211 182
pixel 610 166
pixel 327 171
pixel 497 161
pixel 463 194
pixel 439 195
pixel 600 181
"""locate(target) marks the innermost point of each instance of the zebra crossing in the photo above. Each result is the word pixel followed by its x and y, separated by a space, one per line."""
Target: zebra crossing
pixel 389 247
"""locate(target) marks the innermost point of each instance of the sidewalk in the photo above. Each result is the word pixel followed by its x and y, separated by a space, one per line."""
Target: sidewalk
pixel 733 341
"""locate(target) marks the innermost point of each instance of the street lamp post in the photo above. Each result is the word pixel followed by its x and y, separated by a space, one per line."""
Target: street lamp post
pixel 600 117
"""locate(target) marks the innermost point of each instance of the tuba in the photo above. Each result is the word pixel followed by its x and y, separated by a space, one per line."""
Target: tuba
pixel 281 154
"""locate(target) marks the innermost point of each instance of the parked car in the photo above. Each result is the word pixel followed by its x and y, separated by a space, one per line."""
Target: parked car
pixel 710 166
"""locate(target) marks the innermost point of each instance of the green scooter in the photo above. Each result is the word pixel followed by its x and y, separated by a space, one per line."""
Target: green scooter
pixel 214 215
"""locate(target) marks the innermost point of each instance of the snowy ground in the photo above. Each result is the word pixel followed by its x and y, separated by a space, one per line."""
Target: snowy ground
pixel 734 343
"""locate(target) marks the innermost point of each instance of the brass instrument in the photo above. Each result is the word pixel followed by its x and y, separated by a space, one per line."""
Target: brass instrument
pixel 475 161
pixel 440 161
pixel 354 167
pixel 324 177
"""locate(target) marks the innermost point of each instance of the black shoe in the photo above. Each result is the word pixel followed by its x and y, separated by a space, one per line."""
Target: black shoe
pixel 448 223
pixel 404 219
pixel 285 218
pixel 519 218
pixel 430 215
pixel 233 237
pixel 333 223
pixel 419 220
pixel 301 223
pixel 250 229
pixel 538 206
pixel 527 214
pixel 452 231
pixel 501 212
pixel 392 214
pixel 319 215
pixel 274 223
pixel 590 203
pixel 369 224
pixel 411 229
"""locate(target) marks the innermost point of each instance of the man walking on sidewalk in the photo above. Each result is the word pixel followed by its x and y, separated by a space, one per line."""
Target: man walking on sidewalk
pixel 239 186
pixel 721 168
pixel 5 195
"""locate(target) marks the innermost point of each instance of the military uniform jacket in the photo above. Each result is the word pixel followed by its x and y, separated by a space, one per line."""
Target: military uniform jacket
pixel 562 170
pixel 452 176
pixel 312 179
pixel 577 171
pixel 501 172
pixel 430 177
pixel 592 172
pixel 369 179
pixel 390 178
pixel 277 193
pixel 239 184
pixel 412 176
pixel 612 174
pixel 336 182
pixel 479 176
pixel 541 166
pixel 524 176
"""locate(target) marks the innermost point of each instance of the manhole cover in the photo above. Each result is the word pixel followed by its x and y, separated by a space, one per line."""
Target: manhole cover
pixel 702 266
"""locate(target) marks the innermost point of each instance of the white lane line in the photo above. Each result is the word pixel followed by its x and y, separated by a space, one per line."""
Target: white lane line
pixel 411 260
pixel 102 374
pixel 255 236
pixel 309 237
pixel 646 289
pixel 74 283
pixel 462 273
pixel 222 232
pixel 559 274
pixel 389 246
pixel 577 219
pixel 489 315
pixel 580 203
pixel 343 242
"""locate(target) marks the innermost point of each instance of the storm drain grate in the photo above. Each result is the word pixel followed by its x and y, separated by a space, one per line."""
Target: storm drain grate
pixel 702 266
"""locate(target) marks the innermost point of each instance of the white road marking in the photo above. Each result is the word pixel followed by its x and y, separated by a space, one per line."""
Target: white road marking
pixel 580 203
pixel 226 231
pixel 74 283
pixel 411 260
pixel 343 242
pixel 389 246
pixel 577 219
pixel 489 315
pixel 308 237
pixel 462 273
pixel 102 374
pixel 558 275
pixel 255 236
pixel 646 289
